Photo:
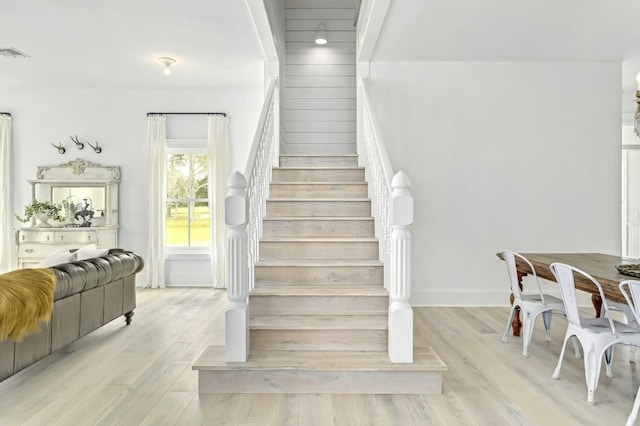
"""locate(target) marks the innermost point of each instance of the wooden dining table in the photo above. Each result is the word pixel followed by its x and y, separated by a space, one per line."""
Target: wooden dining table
pixel 600 266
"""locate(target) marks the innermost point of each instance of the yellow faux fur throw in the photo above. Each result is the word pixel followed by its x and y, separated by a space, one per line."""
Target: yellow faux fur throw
pixel 26 297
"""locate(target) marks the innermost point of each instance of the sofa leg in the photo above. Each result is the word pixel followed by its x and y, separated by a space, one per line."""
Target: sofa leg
pixel 128 316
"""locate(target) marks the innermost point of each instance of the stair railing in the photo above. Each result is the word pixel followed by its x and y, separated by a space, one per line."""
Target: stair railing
pixel 245 207
pixel 392 208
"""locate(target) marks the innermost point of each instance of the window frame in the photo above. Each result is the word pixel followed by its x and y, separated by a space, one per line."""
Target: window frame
pixel 186 146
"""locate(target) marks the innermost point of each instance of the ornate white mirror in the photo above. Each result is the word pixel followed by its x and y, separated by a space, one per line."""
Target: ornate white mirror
pixel 87 192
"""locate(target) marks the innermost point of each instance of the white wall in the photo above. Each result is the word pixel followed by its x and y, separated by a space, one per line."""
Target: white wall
pixel 524 156
pixel 117 119
pixel 630 190
pixel 631 202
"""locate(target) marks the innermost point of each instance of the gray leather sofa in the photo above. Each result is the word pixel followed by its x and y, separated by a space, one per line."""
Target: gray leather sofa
pixel 89 293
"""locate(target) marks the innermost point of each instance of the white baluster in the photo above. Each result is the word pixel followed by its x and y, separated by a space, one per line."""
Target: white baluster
pixel 400 312
pixel 237 311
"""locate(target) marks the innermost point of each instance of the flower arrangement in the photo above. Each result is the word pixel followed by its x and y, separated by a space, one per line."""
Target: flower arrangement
pixel 52 211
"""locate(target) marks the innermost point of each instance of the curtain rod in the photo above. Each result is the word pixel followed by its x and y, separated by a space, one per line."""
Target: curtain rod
pixel 224 114
pixel 5 113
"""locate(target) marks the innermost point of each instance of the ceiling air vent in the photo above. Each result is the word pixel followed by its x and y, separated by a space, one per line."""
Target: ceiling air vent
pixel 12 52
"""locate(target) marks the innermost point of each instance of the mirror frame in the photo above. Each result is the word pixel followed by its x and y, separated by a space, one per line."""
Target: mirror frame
pixel 80 173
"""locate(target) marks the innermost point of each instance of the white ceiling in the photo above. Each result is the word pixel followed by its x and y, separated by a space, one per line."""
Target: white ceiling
pixel 116 43
pixel 513 30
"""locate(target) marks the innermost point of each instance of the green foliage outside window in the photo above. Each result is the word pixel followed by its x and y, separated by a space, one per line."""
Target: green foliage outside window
pixel 187 214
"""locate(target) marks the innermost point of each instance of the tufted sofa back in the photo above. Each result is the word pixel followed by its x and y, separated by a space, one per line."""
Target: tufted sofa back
pixel 81 275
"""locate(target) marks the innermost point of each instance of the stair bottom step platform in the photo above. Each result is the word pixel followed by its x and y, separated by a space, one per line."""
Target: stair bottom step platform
pixel 311 372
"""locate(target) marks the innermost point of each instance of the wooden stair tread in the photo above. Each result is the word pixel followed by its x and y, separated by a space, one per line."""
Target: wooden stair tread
pixel 321 239
pixel 321 262
pixel 318 290
pixel 318 168
pixel 319 218
pixel 424 359
pixel 318 155
pixel 319 322
pixel 316 200
pixel 318 182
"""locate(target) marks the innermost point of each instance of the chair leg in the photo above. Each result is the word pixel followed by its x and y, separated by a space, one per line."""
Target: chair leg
pixel 631 320
pixel 527 327
pixel 634 411
pixel 608 359
pixel 546 317
pixel 576 348
pixel 508 329
pixel 556 372
pixel 592 367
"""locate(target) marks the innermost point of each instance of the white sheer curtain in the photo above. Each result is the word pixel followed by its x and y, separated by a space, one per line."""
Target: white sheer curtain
pixel 6 218
pixel 218 150
pixel 156 142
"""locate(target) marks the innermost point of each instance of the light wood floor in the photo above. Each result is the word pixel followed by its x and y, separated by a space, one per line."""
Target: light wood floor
pixel 142 374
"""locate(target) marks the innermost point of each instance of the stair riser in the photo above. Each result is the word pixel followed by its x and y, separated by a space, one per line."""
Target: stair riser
pixel 318 250
pixel 318 305
pixel 320 208
pixel 318 161
pixel 324 190
pixel 318 228
pixel 320 382
pixel 319 274
pixel 319 340
pixel 317 175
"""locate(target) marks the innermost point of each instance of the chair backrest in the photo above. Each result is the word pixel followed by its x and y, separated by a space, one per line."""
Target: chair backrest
pixel 565 276
pixel 510 258
pixel 630 289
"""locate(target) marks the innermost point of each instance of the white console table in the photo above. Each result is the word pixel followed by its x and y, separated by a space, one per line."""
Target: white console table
pixel 34 244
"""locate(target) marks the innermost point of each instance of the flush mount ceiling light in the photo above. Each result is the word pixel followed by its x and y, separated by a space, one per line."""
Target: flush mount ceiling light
pixel 321 35
pixel 167 62
pixel 12 53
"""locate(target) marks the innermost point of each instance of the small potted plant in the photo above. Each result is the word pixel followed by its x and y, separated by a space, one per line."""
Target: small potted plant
pixel 42 211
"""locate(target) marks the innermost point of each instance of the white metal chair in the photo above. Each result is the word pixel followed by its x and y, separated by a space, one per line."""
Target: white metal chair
pixel 631 321
pixel 630 289
pixel 531 305
pixel 596 335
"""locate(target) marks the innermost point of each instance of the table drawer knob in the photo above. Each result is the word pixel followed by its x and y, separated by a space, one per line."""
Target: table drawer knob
pixel 29 250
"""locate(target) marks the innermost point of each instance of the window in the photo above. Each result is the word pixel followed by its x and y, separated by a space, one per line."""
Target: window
pixel 187 221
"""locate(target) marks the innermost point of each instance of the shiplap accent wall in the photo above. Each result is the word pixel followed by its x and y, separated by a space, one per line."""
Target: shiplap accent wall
pixel 320 83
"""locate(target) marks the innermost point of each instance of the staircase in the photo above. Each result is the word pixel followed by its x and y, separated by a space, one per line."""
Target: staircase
pixel 318 312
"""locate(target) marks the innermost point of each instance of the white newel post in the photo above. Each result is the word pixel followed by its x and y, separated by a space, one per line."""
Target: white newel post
pixel 400 312
pixel 236 317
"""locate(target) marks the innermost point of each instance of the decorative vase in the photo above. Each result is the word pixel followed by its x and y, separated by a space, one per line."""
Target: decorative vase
pixel 42 220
